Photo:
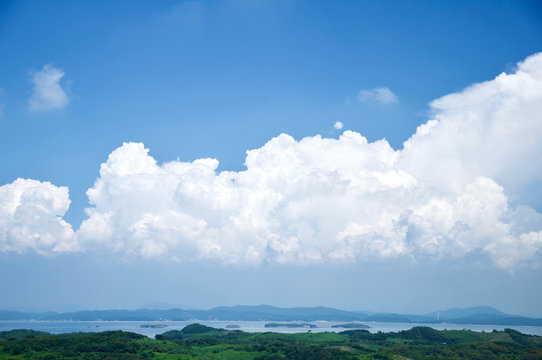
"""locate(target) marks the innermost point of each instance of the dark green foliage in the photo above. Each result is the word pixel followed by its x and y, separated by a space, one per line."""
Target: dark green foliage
pixel 21 334
pixel 192 331
pixel 423 334
pixel 361 335
pixel 202 342
pixel 523 339
pixel 78 345
pixel 481 351
pixel 317 353
pixel 269 357
pixel 197 329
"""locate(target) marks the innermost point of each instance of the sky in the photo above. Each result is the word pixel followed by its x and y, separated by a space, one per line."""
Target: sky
pixel 380 156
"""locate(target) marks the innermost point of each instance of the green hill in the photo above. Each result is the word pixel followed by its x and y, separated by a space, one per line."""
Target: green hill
pixel 202 342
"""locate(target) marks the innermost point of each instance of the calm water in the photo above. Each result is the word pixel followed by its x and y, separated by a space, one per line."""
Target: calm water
pixel 57 327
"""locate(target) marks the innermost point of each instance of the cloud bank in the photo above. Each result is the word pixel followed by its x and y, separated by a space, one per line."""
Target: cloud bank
pixel 48 94
pixel 445 195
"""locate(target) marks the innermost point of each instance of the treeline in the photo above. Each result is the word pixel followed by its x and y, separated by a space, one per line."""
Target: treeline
pixel 201 342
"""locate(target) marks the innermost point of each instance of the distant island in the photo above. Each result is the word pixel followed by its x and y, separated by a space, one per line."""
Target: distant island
pixel 479 315
pixel 153 326
pixel 233 327
pixel 351 326
pixel 290 325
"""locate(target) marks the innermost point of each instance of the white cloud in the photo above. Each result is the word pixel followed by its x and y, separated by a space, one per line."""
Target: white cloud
pixel 48 94
pixel 271 211
pixel 338 125
pixel 31 217
pixel 382 95
pixel 444 195
pixel 313 200
pixel 490 129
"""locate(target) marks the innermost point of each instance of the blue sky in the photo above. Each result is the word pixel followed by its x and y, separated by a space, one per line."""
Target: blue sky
pixel 193 80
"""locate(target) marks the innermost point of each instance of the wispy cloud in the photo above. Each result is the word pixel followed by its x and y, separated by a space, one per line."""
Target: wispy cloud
pixel 48 94
pixel 338 125
pixel 382 95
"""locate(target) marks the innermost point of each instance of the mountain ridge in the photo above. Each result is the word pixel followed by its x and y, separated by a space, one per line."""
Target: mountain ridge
pixel 480 315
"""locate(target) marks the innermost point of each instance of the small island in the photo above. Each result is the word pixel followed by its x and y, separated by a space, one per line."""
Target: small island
pixel 290 325
pixel 233 327
pixel 153 326
pixel 352 326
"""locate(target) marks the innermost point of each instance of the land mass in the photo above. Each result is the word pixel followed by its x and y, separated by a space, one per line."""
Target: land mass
pixel 351 326
pixel 202 342
pixel 153 326
pixel 290 325
pixel 481 315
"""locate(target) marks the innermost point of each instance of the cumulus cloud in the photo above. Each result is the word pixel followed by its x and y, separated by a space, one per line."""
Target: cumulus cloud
pixel 491 129
pixel 338 125
pixel 31 217
pixel 445 195
pixel 382 95
pixel 313 200
pixel 48 94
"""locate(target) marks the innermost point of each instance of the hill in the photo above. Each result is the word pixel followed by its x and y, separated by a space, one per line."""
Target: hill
pixel 481 315
pixel 202 342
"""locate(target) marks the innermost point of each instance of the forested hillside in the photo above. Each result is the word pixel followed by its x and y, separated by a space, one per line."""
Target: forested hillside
pixel 202 342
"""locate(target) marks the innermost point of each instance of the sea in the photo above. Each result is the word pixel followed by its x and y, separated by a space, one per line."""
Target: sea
pixel 151 328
